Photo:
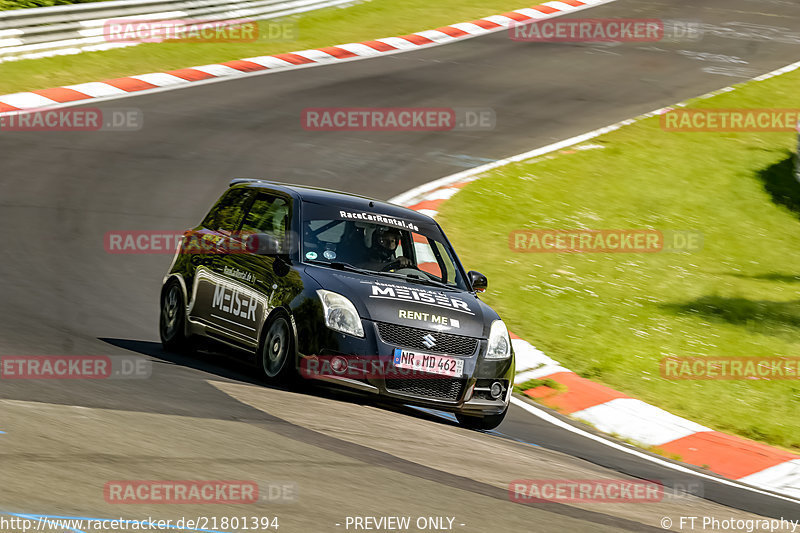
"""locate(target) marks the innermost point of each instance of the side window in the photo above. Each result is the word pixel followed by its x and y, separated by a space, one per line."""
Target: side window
pixel 227 214
pixel 427 259
pixel 268 214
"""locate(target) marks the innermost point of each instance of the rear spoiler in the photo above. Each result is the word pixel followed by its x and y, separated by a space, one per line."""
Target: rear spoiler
pixel 237 181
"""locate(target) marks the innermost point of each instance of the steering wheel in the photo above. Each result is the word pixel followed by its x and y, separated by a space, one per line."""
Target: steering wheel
pixel 394 265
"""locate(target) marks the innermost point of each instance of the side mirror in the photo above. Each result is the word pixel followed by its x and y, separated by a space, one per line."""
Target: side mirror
pixel 263 244
pixel 478 281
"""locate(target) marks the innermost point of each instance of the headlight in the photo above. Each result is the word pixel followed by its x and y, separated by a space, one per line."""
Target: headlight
pixel 340 313
pixel 499 342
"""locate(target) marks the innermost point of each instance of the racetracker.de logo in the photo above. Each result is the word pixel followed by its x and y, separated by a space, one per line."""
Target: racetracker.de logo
pixel 400 366
pixel 397 118
pixel 181 491
pixel 187 242
pixel 621 241
pixel 588 30
pixel 730 120
pixel 730 368
pixel 584 491
pixel 74 367
pixel 73 119
pixel 156 31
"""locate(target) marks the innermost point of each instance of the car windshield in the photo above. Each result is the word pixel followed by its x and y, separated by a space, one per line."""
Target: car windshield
pixel 383 245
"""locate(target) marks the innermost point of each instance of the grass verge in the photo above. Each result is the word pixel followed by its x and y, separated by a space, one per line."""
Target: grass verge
pixel 613 317
pixel 364 21
pixel 6 5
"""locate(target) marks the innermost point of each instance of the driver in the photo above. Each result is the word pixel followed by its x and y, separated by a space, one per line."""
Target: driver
pixel 384 247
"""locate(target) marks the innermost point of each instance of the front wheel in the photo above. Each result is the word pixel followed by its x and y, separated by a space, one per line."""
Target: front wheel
pixel 481 422
pixel 276 353
pixel 172 322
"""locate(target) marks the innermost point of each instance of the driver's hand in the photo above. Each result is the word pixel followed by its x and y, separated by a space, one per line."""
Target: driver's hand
pixel 404 261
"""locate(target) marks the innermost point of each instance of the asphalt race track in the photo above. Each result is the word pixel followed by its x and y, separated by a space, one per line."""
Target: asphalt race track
pixel 205 418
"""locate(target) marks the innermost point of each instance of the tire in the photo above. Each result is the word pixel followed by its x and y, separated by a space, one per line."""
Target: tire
pixel 172 321
pixel 276 357
pixel 481 422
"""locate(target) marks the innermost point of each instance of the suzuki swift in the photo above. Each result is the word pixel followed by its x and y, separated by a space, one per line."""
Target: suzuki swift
pixel 340 288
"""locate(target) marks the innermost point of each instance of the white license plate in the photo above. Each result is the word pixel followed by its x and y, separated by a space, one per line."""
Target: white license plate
pixel 432 364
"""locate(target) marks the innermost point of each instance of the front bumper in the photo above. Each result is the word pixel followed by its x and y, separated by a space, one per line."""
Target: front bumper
pixel 366 358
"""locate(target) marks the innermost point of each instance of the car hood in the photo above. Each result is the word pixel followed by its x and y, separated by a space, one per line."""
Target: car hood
pixel 384 299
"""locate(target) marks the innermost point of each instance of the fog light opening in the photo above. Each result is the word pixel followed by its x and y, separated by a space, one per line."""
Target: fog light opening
pixel 496 390
pixel 339 364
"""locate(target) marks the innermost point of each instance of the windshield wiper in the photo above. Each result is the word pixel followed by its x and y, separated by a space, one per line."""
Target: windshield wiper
pixel 341 266
pixel 419 279
pixel 407 277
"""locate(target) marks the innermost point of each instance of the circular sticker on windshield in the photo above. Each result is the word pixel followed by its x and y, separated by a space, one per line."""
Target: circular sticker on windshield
pixel 329 255
pixel 311 255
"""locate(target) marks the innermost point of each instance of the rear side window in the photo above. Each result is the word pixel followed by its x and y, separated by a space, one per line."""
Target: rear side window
pixel 268 214
pixel 227 215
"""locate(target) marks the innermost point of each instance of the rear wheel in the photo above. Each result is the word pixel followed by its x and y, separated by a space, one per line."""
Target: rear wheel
pixel 172 322
pixel 481 422
pixel 276 353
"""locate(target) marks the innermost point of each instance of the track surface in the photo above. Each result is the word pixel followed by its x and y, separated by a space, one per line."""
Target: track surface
pixel 194 419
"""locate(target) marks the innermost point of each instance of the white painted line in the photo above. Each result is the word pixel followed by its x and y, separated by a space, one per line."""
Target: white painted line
pixel 160 79
pixel 638 421
pixel 500 19
pixel 532 363
pixel 436 36
pixel 26 100
pixel 96 89
pixel 784 70
pixel 269 62
pixel 397 42
pixel 539 373
pixel 469 27
pixel 532 13
pixel 442 194
pixel 315 55
pixel 784 478
pixel 411 196
pixel 561 6
pixel 219 70
pixel 359 49
pixel 547 417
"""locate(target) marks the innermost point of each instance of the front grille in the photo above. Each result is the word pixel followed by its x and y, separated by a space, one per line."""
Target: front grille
pixel 438 388
pixel 413 338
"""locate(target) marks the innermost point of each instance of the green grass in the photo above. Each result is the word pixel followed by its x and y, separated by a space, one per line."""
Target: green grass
pixel 365 21
pixel 612 317
pixel 6 5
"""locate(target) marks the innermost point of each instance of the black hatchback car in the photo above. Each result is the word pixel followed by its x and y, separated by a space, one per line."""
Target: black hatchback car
pixel 344 289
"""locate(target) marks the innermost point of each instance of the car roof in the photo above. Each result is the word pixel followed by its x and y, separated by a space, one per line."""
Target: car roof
pixel 332 197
